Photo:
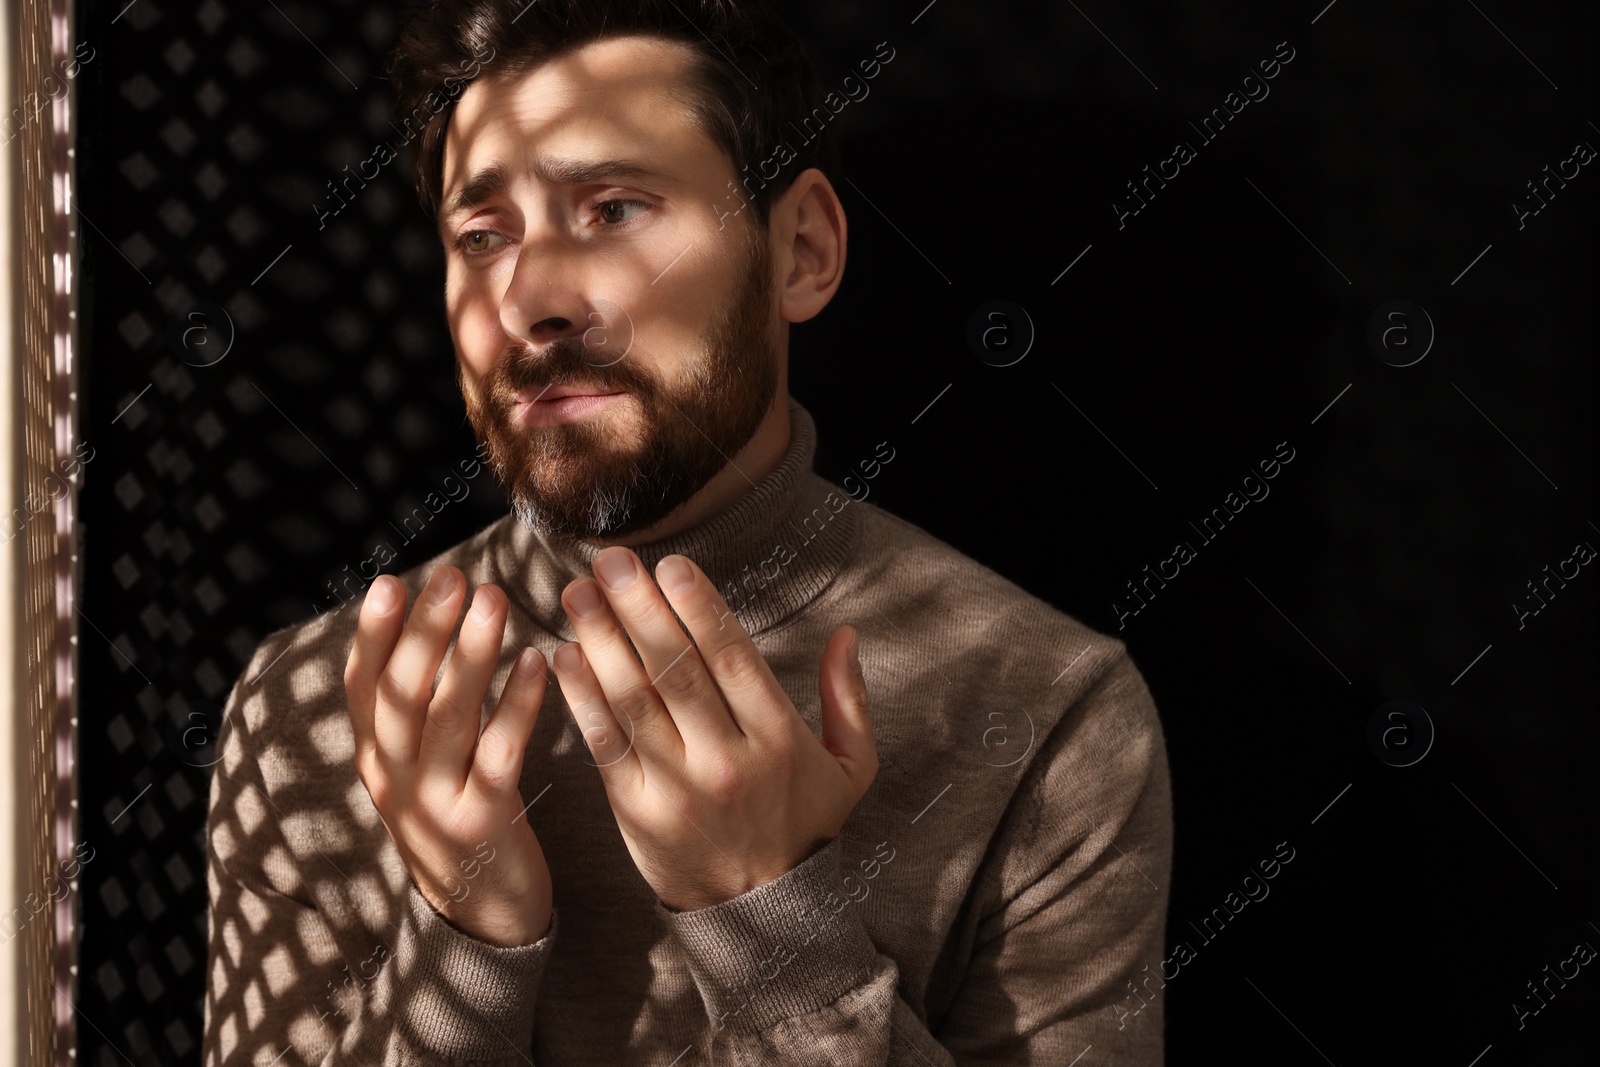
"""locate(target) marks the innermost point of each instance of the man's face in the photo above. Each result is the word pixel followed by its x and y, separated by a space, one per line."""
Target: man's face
pixel 615 336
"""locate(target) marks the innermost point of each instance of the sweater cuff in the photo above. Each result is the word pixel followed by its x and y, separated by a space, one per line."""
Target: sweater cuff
pixel 782 950
pixel 466 999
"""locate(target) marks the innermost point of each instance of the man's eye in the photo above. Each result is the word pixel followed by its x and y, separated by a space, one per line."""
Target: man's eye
pixel 470 243
pixel 612 211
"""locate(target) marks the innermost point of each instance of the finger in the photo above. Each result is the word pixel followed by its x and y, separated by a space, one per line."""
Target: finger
pixel 620 679
pixel 497 760
pixel 406 685
pixel 377 629
pixel 610 739
pixel 671 661
pixel 754 698
pixel 846 721
pixel 450 727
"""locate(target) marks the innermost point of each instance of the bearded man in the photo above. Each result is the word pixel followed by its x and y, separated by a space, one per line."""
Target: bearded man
pixel 811 786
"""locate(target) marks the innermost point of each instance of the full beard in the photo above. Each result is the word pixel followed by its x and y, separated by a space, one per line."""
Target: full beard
pixel 580 480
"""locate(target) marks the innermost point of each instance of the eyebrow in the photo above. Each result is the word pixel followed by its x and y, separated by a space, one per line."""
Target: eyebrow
pixel 494 179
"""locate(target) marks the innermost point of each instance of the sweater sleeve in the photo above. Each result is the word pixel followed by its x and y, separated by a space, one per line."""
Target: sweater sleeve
pixel 278 979
pixel 789 974
pixel 1073 897
pixel 1068 947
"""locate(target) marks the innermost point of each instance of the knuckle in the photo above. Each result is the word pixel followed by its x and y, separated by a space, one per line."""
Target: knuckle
pixel 353 675
pixel 635 704
pixel 724 780
pixel 492 780
pixel 448 711
pixel 684 681
pixel 379 788
pixel 496 755
pixel 859 691
pixel 392 692
pixel 359 684
pixel 739 663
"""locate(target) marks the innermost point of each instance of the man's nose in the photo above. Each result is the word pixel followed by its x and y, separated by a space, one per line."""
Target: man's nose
pixel 544 300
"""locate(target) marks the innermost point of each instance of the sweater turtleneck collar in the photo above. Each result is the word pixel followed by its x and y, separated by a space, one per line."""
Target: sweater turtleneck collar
pixel 770 552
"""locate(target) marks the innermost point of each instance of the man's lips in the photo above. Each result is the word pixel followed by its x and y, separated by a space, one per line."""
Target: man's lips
pixel 556 392
pixel 561 404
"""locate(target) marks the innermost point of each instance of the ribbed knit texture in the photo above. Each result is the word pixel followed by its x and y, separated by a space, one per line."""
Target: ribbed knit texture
pixel 992 899
pixel 462 992
pixel 780 951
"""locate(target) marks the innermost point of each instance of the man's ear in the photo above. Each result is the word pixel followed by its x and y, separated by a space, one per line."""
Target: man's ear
pixel 809 236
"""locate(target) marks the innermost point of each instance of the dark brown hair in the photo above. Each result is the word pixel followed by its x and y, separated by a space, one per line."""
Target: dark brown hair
pixel 752 89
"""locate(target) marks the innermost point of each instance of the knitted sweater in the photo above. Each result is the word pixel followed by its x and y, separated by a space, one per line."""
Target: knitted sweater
pixel 992 899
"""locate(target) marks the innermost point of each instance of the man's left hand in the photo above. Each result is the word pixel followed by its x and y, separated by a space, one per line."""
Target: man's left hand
pixel 717 783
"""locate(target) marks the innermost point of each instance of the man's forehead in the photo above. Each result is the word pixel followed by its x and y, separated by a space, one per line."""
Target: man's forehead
pixel 628 91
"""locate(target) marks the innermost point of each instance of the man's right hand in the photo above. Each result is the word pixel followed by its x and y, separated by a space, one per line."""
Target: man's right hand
pixel 443 791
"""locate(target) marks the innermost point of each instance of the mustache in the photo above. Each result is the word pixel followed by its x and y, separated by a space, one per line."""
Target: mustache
pixel 565 361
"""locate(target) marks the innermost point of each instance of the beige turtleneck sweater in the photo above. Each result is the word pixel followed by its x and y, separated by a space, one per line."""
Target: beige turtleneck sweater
pixel 993 898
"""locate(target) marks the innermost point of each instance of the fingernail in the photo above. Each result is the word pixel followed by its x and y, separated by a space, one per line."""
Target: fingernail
pixel 440 585
pixel 528 662
pixel 584 598
pixel 482 605
pixel 616 568
pixel 568 658
pixel 675 573
pixel 381 596
pixel 855 652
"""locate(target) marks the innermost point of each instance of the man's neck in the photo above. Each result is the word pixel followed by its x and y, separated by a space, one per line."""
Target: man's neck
pixel 759 456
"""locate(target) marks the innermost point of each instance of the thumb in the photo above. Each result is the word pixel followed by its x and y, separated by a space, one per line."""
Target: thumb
pixel 846 723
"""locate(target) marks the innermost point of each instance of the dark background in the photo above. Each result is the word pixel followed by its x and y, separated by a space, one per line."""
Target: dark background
pixel 1172 356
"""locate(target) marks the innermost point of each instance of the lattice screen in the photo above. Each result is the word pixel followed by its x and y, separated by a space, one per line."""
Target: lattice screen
pixel 38 526
pixel 256 422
